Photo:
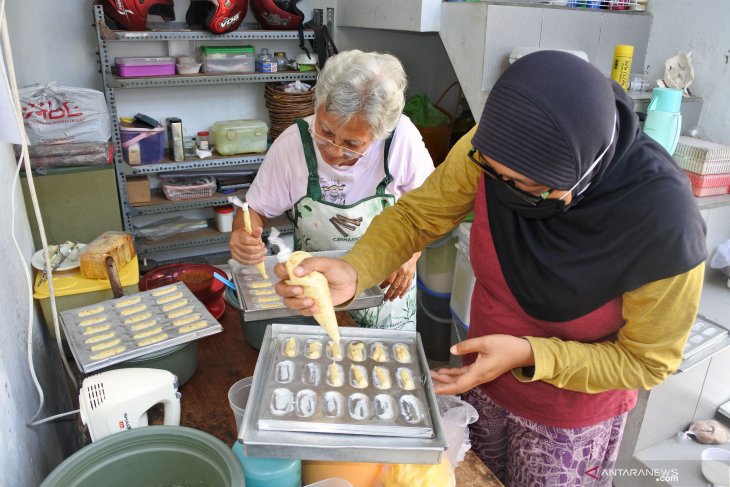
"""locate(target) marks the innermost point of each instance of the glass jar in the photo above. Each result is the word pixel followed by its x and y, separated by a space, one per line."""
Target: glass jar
pixel 282 63
pixel 264 62
pixel 202 139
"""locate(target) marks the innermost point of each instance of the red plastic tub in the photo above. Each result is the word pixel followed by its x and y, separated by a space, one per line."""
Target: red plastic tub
pixel 197 277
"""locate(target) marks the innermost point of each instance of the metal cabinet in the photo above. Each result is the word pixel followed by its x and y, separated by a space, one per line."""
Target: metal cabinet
pixel 172 36
pixel 479 37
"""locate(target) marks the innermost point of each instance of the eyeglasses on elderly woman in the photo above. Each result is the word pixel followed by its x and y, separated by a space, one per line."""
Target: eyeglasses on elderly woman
pixel 324 142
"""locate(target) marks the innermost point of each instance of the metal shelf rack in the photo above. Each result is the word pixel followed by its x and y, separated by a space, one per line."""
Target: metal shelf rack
pixel 174 32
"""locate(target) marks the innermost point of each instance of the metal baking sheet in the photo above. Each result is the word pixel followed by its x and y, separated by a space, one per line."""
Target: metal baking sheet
pixel 703 335
pixel 324 444
pixel 388 398
pixel 260 302
pixel 117 330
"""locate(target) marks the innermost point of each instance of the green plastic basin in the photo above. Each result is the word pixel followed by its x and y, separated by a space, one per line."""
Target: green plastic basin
pixel 151 456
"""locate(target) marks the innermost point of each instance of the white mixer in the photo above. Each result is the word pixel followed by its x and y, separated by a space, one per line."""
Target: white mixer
pixel 118 400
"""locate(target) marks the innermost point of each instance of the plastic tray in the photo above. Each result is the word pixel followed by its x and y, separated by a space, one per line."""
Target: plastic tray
pixel 702 335
pixel 117 330
pixel 338 446
pixel 259 302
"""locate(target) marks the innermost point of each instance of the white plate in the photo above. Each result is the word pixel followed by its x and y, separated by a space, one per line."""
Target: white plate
pixel 71 262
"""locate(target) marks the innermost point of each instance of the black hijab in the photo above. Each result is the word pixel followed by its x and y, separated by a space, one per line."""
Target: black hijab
pixel 633 218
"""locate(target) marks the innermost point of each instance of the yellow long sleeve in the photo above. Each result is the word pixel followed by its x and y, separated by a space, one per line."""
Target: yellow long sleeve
pixel 648 347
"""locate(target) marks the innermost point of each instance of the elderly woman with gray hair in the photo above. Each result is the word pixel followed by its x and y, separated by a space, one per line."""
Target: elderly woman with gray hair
pixel 335 171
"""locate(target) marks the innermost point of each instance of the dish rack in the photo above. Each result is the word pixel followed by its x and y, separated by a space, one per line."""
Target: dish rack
pixel 189 189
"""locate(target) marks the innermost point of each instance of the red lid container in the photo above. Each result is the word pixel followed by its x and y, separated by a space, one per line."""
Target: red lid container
pixel 197 277
pixel 223 209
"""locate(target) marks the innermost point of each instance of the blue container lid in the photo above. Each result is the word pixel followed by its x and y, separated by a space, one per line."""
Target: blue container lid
pixel 666 100
pixel 260 471
pixel 430 292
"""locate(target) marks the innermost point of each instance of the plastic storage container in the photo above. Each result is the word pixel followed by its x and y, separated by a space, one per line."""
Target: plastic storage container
pixel 157 455
pixel 709 184
pixel 145 66
pixel 238 398
pixel 73 290
pixel 702 156
pixel 433 322
pixel 224 218
pixel 181 360
pixel 228 59
pixel 142 146
pixel 268 472
pixel 118 245
pixel 239 136
pixel 356 473
pixel 464 279
pixel 436 264
pixel 253 331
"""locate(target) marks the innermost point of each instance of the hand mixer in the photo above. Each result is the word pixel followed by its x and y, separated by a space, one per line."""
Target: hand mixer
pixel 118 400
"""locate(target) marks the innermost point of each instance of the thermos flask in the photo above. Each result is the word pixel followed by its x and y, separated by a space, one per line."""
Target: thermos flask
pixel 663 119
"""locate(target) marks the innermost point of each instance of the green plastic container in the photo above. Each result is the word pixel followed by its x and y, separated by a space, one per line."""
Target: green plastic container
pixel 253 331
pixel 151 456
pixel 181 360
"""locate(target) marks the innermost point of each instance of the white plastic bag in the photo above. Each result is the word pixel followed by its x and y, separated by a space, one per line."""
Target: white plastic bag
pixel 721 259
pixel 678 72
pixel 456 416
pixel 62 114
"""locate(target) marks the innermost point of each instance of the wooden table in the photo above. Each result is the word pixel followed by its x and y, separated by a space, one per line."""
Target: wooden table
pixel 225 358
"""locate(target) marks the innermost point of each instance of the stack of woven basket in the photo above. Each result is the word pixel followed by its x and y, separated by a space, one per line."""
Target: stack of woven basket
pixel 284 108
pixel 706 163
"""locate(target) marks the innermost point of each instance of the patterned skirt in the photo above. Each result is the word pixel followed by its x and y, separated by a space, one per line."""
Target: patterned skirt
pixel 523 453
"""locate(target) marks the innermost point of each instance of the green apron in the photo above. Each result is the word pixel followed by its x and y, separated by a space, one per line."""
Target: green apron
pixel 320 225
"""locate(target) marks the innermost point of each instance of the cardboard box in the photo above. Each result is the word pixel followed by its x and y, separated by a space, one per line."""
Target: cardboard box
pixel 138 189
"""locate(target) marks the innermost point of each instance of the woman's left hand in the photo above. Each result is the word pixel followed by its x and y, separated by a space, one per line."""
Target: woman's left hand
pixel 496 354
pixel 399 281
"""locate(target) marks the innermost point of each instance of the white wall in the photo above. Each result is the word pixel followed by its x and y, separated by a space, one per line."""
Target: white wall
pixel 700 26
pixel 27 454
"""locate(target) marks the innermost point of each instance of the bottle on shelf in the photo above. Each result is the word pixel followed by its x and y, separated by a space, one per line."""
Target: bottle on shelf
pixel 202 140
pixel 265 63
pixel 621 67
pixel 282 63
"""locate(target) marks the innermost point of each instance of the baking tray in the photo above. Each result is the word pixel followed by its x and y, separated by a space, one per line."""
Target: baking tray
pixel 703 335
pixel 117 330
pixel 388 399
pixel 260 302
pixel 324 444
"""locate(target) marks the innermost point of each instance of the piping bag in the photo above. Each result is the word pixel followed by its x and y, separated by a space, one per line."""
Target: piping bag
pixel 314 285
pixel 234 200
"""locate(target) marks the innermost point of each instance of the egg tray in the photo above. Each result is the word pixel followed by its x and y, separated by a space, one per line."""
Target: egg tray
pixel 317 435
pixel 703 335
pixel 260 302
pixel 117 330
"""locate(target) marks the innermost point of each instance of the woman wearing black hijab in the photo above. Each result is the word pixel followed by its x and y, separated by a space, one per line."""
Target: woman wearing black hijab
pixel 588 251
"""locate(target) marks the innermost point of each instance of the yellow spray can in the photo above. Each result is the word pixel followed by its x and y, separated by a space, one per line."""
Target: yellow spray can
pixel 621 68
